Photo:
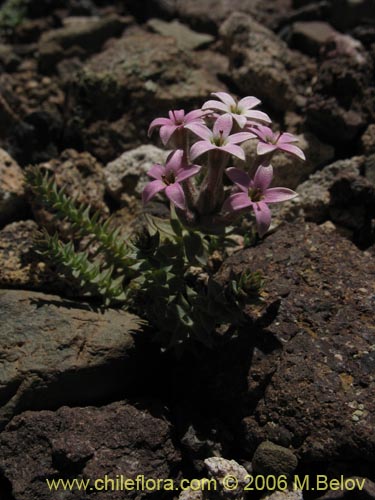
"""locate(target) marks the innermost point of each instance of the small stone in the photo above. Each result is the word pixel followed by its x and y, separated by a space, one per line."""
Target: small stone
pixel 127 175
pixel 284 495
pixel 272 459
pixel 368 140
pixel 186 38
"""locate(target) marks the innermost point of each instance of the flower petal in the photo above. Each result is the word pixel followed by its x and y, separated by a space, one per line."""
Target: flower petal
pixel 248 102
pixel 199 148
pixel 223 126
pixel 156 171
pixel 240 137
pixel 264 148
pixel 294 150
pixel 276 195
pixel 234 150
pixel 174 161
pixel 258 115
pixel 176 194
pixel 187 172
pixel 285 138
pixel 240 119
pixel 263 177
pixel 166 133
pixel 263 132
pixel 194 115
pixel 200 130
pixel 236 202
pixel 216 105
pixel 157 123
pixel 226 98
pixel 177 116
pixel 262 216
pixel 239 177
pixel 151 189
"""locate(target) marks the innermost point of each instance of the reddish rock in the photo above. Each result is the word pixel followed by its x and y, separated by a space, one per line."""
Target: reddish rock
pixel 319 376
pixel 86 443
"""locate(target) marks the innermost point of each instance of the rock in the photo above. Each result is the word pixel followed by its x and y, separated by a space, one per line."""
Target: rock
pixel 290 171
pixel 368 140
pixel 367 492
pixel 271 459
pixel 313 202
pixel 127 176
pixel 12 199
pixel 284 495
pixel 20 266
pixel 319 397
pixel 185 38
pixel 55 352
pixel 369 169
pixel 220 468
pixel 9 60
pixel 208 15
pixel 91 443
pixel 348 13
pixel 341 102
pixel 310 36
pixel 88 35
pixel 262 65
pixel 82 179
pixel 148 74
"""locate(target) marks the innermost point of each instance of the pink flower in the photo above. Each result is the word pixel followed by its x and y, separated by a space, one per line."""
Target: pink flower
pixel 177 121
pixel 220 139
pixel 241 111
pixel 168 179
pixel 256 193
pixel 270 141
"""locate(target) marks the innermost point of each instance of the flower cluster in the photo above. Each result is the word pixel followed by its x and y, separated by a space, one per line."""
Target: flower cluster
pixel 215 133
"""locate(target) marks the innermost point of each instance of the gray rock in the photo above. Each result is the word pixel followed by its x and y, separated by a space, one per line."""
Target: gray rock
pixel 284 495
pixel 262 65
pixel 369 168
pixel 54 352
pixel 220 468
pixel 271 459
pixel 186 39
pixel 127 175
pixel 87 443
pixel 12 200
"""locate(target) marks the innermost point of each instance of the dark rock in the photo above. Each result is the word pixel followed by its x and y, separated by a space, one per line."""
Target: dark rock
pixel 319 398
pixel 310 36
pixel 349 13
pixel 87 34
pixel 55 352
pixel 88 443
pixel 341 104
pixel 366 492
pixel 12 193
pixel 9 60
pixel 272 459
pixel 369 169
pixel 208 15
pixel 262 65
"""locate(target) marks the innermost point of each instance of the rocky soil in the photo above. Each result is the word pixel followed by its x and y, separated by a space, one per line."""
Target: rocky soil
pixel 84 391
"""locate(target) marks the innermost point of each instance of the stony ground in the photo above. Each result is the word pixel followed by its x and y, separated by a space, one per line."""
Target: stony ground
pixel 85 393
